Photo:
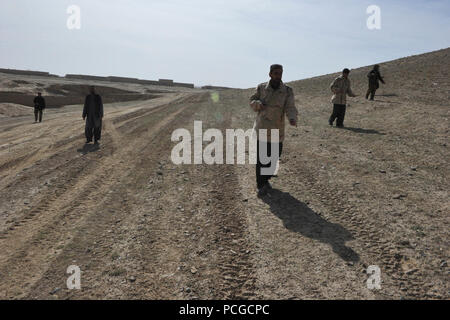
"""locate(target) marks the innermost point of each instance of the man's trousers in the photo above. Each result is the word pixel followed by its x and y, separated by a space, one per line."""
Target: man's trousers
pixel 261 179
pixel 339 113
pixel 95 132
pixel 37 112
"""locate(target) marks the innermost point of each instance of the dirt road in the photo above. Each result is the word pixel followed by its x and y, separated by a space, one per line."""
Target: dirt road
pixel 141 227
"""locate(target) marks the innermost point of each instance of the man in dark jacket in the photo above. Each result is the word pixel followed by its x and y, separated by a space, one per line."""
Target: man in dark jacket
pixel 374 75
pixel 39 106
pixel 93 113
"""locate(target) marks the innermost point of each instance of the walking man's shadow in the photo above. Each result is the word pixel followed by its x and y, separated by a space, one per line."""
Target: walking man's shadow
pixel 361 130
pixel 298 217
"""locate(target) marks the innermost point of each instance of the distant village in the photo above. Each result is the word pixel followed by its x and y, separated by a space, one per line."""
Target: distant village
pixel 160 82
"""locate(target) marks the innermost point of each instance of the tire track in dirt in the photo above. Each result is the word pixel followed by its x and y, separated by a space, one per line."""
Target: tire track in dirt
pixel 58 208
pixel 119 206
pixel 224 246
pixel 375 246
pixel 236 267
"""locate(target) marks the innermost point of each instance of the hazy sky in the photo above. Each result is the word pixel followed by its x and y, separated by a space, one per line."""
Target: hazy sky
pixel 230 43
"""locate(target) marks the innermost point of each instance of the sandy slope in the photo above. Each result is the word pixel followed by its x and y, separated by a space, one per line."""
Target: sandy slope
pixel 140 227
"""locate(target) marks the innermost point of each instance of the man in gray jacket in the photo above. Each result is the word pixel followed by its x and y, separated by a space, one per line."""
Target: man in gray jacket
pixel 93 113
pixel 340 88
pixel 272 101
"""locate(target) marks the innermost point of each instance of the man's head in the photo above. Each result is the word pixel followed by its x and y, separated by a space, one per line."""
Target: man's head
pixel 276 73
pixel 39 94
pixel 376 67
pixel 92 89
pixel 345 73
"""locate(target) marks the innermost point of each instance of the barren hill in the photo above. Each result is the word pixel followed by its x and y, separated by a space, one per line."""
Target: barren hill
pixel 140 227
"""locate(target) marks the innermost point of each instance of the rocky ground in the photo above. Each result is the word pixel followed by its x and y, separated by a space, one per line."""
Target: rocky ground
pixel 141 227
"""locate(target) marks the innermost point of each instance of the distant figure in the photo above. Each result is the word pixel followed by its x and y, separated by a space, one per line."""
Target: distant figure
pixel 93 113
pixel 39 106
pixel 273 101
pixel 374 75
pixel 340 88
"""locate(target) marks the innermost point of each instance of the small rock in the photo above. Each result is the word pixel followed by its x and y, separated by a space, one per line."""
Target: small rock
pixel 159 172
pixel 413 168
pixel 55 291
pixel 382 171
pixel 188 290
pixel 193 270
pixel 405 243
pixel 411 271
pixel 443 264
pixel 132 279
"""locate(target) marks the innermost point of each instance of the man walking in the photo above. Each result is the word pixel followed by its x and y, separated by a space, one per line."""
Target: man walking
pixel 93 113
pixel 340 88
pixel 39 106
pixel 272 101
pixel 374 75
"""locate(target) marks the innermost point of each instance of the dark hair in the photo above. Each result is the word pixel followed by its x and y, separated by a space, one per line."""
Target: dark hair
pixel 346 71
pixel 276 66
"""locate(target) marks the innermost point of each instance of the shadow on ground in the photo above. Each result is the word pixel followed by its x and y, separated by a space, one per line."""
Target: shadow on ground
pixel 388 95
pixel 361 130
pixel 298 217
pixel 387 101
pixel 89 148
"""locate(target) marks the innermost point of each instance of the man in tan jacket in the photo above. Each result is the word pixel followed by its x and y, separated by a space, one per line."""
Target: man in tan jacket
pixel 340 88
pixel 272 101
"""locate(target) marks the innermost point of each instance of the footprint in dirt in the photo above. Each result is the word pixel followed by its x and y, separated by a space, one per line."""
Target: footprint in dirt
pixel 298 217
